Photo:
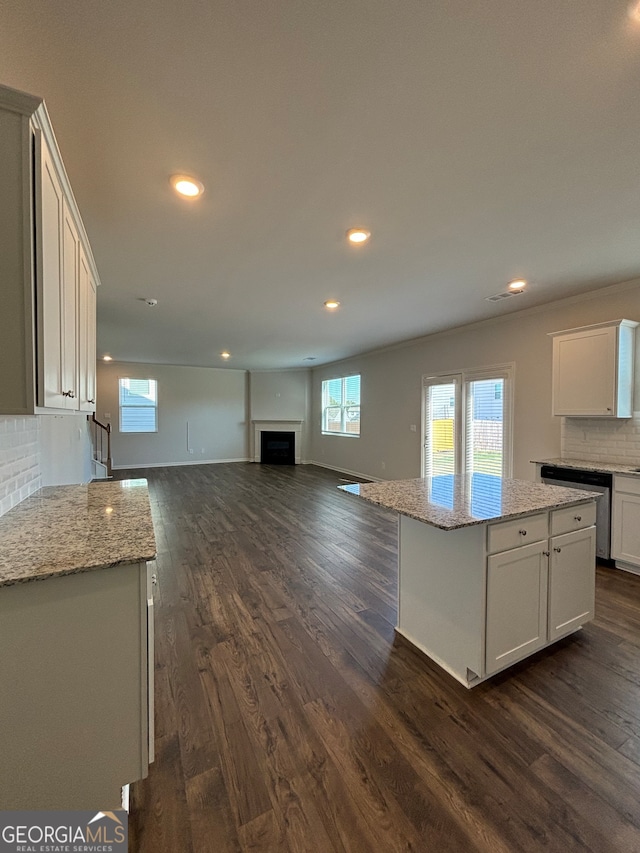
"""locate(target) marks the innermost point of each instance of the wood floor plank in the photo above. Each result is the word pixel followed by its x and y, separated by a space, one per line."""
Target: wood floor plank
pixel 210 814
pixel 606 832
pixel 161 797
pixel 290 717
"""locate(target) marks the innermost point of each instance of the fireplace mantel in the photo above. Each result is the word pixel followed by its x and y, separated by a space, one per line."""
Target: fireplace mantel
pixel 284 425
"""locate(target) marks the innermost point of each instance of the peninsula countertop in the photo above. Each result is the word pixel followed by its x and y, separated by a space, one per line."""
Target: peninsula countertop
pixel 63 530
pixel 451 501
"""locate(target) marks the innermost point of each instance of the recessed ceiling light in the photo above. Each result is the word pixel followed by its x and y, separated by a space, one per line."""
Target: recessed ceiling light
pixel 634 11
pixel 186 186
pixel 107 358
pixel 331 304
pixel 358 235
pixel 225 355
pixel 517 284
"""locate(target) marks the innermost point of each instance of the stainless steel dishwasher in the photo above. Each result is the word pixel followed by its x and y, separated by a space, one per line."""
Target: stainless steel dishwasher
pixel 591 481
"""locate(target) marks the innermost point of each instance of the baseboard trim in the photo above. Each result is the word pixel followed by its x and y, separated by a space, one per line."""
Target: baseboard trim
pixel 178 464
pixel 358 474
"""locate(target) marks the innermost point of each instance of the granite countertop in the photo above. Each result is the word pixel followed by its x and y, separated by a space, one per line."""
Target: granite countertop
pixel 451 501
pixel 584 465
pixel 63 530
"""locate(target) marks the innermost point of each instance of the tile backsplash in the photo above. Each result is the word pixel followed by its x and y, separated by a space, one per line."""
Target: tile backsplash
pixel 602 439
pixel 20 473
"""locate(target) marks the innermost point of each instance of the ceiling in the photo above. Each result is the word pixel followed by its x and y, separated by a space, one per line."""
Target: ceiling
pixel 478 140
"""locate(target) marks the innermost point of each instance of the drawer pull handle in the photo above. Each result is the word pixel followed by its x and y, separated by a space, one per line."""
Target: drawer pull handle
pixel 578 518
pixel 557 550
pixel 522 532
pixel 68 394
pixel 154 579
pixel 547 553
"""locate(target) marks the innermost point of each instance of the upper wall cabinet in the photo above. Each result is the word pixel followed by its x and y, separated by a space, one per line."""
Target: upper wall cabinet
pixel 593 370
pixel 47 272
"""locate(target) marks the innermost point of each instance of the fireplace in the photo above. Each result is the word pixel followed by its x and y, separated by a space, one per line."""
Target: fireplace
pixel 279 426
pixel 277 448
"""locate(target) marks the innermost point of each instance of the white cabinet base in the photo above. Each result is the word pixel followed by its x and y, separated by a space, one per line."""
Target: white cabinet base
pixel 628 567
pixel 476 614
pixel 73 705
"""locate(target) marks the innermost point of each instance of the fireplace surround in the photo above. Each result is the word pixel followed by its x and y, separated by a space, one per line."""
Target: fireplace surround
pixel 294 426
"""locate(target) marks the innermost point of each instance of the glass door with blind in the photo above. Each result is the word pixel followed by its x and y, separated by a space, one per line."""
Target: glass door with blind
pixel 467 423
pixel 484 426
pixel 441 405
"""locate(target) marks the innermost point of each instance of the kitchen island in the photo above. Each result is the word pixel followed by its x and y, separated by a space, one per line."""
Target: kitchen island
pixel 490 570
pixel 76 646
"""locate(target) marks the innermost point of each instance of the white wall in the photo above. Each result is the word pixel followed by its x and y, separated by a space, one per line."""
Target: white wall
pixel 392 381
pixel 210 405
pixel 65 449
pixel 280 395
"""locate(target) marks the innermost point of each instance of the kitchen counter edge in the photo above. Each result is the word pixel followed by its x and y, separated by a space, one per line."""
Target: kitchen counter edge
pixel 66 530
pixel 584 465
pixel 405 498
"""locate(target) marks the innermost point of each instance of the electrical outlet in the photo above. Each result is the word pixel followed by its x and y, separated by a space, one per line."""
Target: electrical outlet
pixel 191 450
pixel 383 465
pixel 202 450
pixel 412 427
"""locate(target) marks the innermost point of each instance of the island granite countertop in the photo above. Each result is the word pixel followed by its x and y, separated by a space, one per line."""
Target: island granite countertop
pixel 63 530
pixel 600 467
pixel 450 501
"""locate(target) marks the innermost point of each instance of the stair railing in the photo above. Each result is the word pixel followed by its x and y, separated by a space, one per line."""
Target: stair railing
pixel 101 437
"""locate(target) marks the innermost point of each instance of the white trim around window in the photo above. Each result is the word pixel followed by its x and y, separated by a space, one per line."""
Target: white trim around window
pixel 137 405
pixel 341 406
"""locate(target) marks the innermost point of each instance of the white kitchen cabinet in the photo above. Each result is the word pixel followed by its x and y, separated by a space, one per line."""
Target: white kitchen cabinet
pixel 572 568
pixel 76 665
pixel 479 598
pixel 516 604
pixel 69 312
pixel 625 523
pixel 43 323
pixel 539 592
pixel 49 315
pixel 86 335
pixel 593 370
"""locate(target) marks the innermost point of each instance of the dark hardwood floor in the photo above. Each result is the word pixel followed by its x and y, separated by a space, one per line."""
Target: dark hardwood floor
pixel 289 719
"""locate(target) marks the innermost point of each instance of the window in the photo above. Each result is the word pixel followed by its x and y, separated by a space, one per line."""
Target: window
pixel 138 405
pixel 341 406
pixel 467 423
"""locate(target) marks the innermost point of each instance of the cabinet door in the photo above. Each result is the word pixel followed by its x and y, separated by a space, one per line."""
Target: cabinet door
pixel 50 286
pixel 625 539
pixel 86 336
pixel 69 303
pixel 516 605
pixel 572 581
pixel 584 372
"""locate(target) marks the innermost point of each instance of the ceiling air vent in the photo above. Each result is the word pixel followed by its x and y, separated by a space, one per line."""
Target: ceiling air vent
pixel 497 297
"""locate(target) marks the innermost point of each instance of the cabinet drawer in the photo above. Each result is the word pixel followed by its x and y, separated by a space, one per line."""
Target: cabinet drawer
pixel 572 518
pixel 520 531
pixel 628 485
